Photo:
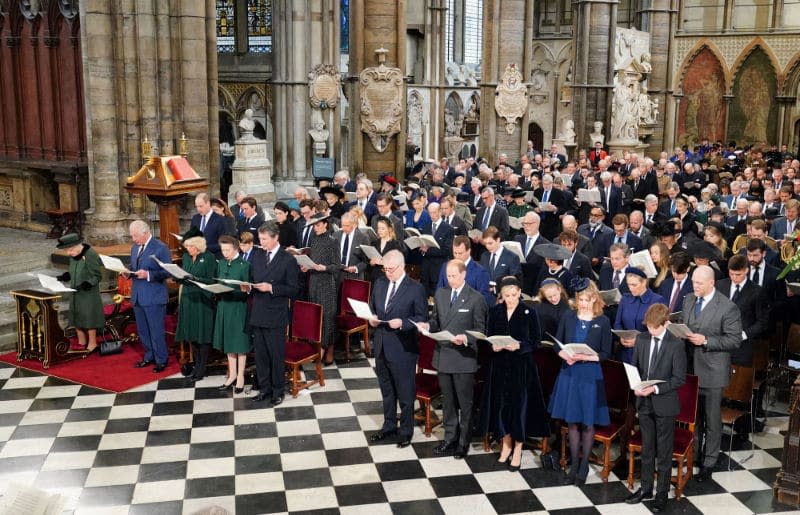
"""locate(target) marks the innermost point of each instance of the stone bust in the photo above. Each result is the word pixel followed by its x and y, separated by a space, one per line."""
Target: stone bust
pixel 597 135
pixel 246 124
pixel 319 133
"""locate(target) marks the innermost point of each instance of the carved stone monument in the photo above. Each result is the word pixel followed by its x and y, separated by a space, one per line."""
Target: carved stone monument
pixel 318 133
pixel 382 99
pixel 251 169
pixel 511 97
pixel 630 103
pixel 324 84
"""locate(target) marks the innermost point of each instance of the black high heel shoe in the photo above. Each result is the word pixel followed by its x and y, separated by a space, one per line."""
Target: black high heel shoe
pixel 236 389
pixel 225 386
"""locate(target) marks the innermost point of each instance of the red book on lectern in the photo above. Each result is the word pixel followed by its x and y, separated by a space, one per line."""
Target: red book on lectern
pixel 181 169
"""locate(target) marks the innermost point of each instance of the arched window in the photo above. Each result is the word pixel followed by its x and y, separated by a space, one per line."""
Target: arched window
pixel 464 31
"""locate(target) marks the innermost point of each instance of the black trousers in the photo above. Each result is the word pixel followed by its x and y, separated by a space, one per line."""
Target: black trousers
pixel 657 440
pixel 269 345
pixel 200 353
pixel 398 386
pixel 457 396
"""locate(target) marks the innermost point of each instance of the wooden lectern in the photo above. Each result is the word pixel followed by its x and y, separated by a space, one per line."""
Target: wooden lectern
pixel 787 482
pixel 39 334
pixel 166 180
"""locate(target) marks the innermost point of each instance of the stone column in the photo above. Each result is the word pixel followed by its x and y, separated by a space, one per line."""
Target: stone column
pixel 502 20
pixel 305 34
pixel 593 75
pixel 379 23
pixel 148 70
pixel 661 17
pixel 435 28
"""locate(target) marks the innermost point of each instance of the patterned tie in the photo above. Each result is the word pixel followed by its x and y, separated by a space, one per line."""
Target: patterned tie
pixel 453 298
pixel 389 297
pixel 615 282
pixel 674 301
pixel 698 307
pixel 306 232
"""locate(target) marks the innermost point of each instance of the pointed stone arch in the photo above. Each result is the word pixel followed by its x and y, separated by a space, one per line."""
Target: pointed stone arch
pixel 701 111
pixel 791 76
pixel 703 44
pixel 757 43
pixel 753 115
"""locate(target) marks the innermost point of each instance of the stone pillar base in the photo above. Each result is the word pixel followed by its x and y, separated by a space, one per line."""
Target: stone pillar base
pixel 252 171
pixel 105 228
pixel 620 147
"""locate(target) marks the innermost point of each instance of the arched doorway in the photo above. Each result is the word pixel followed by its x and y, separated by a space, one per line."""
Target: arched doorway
pixel 536 135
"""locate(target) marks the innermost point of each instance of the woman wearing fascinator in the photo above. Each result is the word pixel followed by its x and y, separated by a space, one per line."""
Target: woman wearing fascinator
pixel 579 395
pixel 513 407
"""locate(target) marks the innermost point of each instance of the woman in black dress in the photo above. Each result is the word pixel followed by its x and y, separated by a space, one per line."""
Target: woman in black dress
pixel 322 280
pixel 387 240
pixel 287 235
pixel 513 407
pixel 552 305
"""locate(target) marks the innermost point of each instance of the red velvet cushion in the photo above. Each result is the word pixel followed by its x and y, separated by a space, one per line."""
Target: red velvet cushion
pixel 299 351
pixel 636 439
pixel 682 440
pixel 607 431
pixel 428 385
pixel 349 322
pixel 124 306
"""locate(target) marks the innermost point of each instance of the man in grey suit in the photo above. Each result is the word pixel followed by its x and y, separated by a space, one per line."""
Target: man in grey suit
pixel 349 241
pixel 457 308
pixel 716 328
pixel 660 356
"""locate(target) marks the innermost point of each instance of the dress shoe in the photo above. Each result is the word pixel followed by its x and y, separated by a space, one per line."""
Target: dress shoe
pixel 704 474
pixel 461 452
pixel 639 496
pixel 514 468
pixel 444 448
pixel 238 390
pixel 659 504
pixel 225 386
pixel 277 400
pixel 582 473
pixel 190 381
pixel 261 397
pixel 143 363
pixel 404 442
pixel 381 435
pixel 159 368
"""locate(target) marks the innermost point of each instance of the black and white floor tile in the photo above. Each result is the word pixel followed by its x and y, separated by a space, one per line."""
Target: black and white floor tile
pixel 167 448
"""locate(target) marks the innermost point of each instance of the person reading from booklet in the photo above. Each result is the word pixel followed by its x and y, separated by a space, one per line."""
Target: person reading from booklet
pixel 578 396
pixel 513 406
pixel 658 356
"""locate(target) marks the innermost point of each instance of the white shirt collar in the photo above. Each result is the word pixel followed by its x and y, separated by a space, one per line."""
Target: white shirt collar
pixel 660 335
pixel 708 298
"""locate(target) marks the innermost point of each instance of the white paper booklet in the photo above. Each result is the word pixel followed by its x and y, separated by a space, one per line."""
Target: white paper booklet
pixel 626 333
pixel 213 288
pixel 590 196
pixel 371 252
pixel 362 309
pixel 516 248
pixel 679 330
pixel 573 349
pixel 644 262
pixel 441 336
pixel 52 284
pixel 113 264
pixel 497 341
pixel 611 297
pixel 172 269
pixel 415 242
pixel 235 282
pixel 305 261
pixel 475 233
pixel 635 380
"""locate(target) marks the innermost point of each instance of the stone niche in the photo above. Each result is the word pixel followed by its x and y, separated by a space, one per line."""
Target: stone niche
pixel 27 193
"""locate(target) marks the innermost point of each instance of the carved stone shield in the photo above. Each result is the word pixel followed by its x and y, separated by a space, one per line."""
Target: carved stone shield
pixel 511 97
pixel 324 85
pixel 382 104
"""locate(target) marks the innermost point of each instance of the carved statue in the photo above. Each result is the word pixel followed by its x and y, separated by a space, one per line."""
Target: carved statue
pixel 511 99
pixel 451 74
pixel 318 133
pixel 568 134
pixel 597 135
pixel 247 125
pixel 415 118
pixel 472 112
pixel 469 77
pixel 625 109
pixel 644 61
pixel 648 109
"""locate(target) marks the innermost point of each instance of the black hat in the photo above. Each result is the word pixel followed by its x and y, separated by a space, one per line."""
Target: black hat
pixel 69 240
pixel 462 197
pixel 579 284
pixel 664 229
pixel 318 217
pixel 718 226
pixel 191 233
pixel 552 251
pixel 334 191
pixel 636 271
pixel 509 280
pixel 704 250
pixel 518 193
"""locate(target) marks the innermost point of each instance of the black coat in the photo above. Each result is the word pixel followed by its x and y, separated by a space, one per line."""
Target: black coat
pixel 271 310
pixel 754 307
pixel 669 366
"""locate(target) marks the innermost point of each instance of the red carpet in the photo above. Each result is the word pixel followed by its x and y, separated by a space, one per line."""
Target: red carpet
pixel 112 373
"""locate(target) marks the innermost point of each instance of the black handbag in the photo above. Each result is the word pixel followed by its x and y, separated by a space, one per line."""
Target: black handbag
pixel 107 348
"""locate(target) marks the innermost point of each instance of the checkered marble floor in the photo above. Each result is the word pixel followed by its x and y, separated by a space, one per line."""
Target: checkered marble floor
pixel 167 448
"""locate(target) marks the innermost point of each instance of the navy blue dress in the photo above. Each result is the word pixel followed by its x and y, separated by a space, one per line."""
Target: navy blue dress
pixel 630 315
pixel 579 395
pixel 513 402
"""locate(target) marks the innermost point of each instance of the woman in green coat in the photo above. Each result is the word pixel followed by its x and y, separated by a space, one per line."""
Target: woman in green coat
pixel 196 306
pixel 229 326
pixel 85 307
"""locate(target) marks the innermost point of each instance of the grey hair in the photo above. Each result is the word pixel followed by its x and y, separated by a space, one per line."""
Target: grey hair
pixel 269 227
pixel 140 227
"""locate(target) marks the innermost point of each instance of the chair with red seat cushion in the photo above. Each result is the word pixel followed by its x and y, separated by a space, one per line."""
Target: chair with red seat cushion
pixel 427 384
pixel 347 322
pixel 305 344
pixel 683 439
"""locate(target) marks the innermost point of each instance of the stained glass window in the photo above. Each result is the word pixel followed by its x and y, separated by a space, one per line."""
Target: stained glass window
pixel 473 31
pixel 344 17
pixel 259 26
pixel 226 27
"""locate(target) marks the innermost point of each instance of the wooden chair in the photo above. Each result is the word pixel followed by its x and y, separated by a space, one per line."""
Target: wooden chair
pixel 347 323
pixel 617 398
pixel 427 381
pixel 740 391
pixel 305 344
pixel 683 440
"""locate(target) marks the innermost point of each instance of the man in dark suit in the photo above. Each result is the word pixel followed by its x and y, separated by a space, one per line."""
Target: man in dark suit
pixel 610 197
pixel 678 285
pixel 236 208
pixel 637 228
pixel 497 260
pixel 384 204
pixel 753 306
pixel 456 309
pixel 595 231
pixel 276 282
pixel 529 239
pixel 364 199
pixel 491 215
pixel 397 301
pixel 620 234
pixel 304 226
pixel 556 205
pixel 668 207
pixel 612 274
pixel 459 225
pixel 716 328
pixel 568 222
pixel 477 276
pixel 660 356
pixel 433 258
pixel 784 225
pixel 349 241
pixel 251 220
pixel 762 273
pixel 209 223
pixel 652 216
pixel 578 264
pixel 149 294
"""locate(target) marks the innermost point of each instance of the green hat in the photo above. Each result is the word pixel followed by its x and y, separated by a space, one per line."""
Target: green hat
pixel 69 240
pixel 191 233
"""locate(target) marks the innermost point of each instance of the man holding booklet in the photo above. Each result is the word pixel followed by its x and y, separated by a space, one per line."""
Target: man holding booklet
pixel 658 357
pixel 457 308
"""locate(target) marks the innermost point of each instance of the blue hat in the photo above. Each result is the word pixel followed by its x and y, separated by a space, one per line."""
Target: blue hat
pixel 636 271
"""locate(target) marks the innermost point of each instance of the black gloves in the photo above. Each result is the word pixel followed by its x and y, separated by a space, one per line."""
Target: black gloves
pixel 85 286
pixel 64 277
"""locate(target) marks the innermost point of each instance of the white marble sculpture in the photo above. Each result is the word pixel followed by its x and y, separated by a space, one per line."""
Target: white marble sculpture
pixel 318 133
pixel 648 108
pixel 246 126
pixel 511 97
pixel 568 133
pixel 625 109
pixel 597 135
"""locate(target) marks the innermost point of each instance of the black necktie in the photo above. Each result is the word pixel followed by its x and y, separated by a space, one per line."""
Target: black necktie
pixel 344 249
pixel 736 293
pixel 754 277
pixel 306 232
pixel 389 297
pixel 653 355
pixel 492 263
pixel 269 257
